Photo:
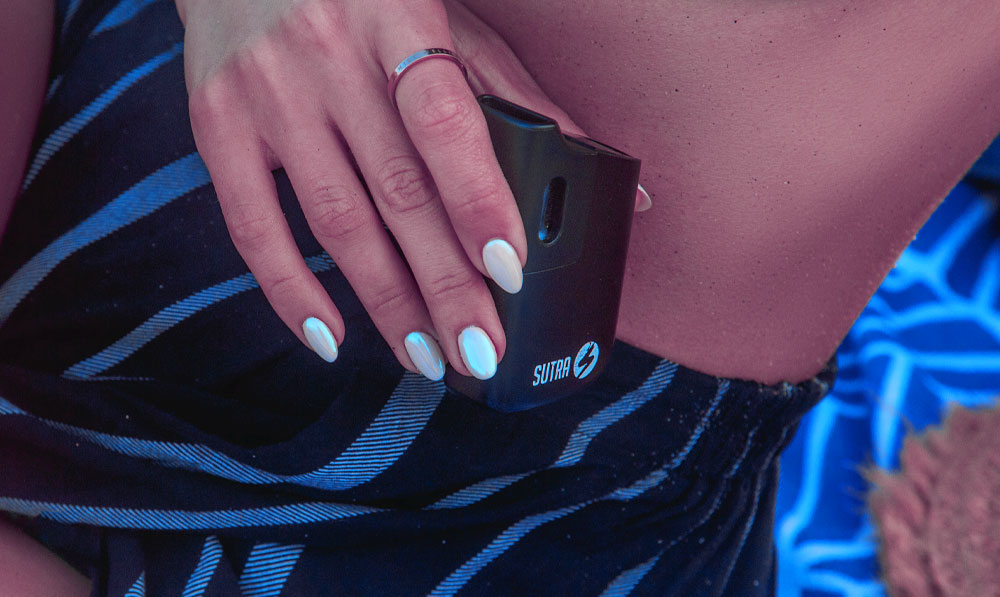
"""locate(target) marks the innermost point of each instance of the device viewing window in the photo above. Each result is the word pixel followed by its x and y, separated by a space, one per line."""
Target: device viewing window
pixel 552 210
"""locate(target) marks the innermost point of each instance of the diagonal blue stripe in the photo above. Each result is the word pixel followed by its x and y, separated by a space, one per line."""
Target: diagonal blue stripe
pixel 122 13
pixel 758 488
pixel 578 442
pixel 53 87
pixel 71 10
pixel 156 325
pixel 186 520
pixel 211 555
pixel 138 588
pixel 169 317
pixel 6 408
pixel 392 431
pixel 152 193
pixel 268 568
pixel 586 431
pixel 62 135
pixel 398 423
pixel 702 424
pixel 477 491
pixel 457 579
pixel 658 476
pixel 625 582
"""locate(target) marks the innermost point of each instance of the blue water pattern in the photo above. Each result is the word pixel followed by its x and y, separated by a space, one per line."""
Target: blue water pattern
pixel 929 338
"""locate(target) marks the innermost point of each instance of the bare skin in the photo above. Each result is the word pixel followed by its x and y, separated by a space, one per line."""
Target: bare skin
pixel 792 151
pixel 25 48
pixel 27 569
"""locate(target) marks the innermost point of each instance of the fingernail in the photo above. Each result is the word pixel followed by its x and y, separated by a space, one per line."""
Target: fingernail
pixel 478 354
pixel 503 265
pixel 425 354
pixel 644 201
pixel 320 339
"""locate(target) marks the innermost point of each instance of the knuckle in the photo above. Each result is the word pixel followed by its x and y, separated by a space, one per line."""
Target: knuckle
pixel 281 289
pixel 317 25
pixel 404 185
pixel 444 112
pixel 451 287
pixel 262 67
pixel 249 227
pixel 258 60
pixel 478 201
pixel 208 104
pixel 336 211
pixel 388 300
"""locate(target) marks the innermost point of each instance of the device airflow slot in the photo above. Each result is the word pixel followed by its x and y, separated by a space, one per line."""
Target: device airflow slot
pixel 552 210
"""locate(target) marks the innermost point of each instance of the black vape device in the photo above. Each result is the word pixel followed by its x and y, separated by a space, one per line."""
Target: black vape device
pixel 576 197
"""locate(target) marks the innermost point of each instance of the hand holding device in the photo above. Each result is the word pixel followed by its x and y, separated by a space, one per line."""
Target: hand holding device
pixel 576 198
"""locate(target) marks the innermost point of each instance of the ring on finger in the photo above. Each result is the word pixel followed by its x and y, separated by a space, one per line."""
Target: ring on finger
pixel 420 56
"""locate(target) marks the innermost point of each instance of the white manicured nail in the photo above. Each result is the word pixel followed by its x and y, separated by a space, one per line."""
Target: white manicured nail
pixel 320 339
pixel 644 202
pixel 477 351
pixel 425 354
pixel 503 265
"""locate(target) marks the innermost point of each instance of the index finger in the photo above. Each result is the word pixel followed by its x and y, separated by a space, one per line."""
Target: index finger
pixel 448 129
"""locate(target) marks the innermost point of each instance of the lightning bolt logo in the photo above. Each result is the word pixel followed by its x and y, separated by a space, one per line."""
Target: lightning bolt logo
pixel 586 359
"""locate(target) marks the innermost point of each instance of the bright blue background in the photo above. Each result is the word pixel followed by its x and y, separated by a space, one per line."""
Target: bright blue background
pixel 929 337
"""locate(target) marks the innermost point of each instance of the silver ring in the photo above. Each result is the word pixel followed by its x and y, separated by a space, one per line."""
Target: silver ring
pixel 420 56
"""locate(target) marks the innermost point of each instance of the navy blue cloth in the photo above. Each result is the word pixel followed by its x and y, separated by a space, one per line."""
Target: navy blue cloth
pixel 164 432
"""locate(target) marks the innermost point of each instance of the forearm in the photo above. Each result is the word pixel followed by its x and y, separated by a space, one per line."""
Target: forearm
pixel 25 50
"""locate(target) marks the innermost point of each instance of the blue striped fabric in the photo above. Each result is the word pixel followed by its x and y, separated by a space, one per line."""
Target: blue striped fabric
pixel 138 589
pixel 516 532
pixel 578 441
pixel 625 582
pixel 62 135
pixel 171 316
pixel 122 13
pixel 298 513
pixel 211 555
pixel 388 435
pixel 147 196
pixel 68 8
pixel 163 431
pixel 268 568
pixel 657 476
pixel 589 429
pixel 460 577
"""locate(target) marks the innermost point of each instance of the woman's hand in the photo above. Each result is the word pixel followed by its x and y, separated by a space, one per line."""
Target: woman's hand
pixel 301 84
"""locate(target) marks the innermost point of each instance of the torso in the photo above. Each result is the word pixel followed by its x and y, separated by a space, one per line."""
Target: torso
pixel 787 165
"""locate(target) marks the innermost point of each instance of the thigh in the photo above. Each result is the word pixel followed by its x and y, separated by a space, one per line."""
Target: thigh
pixel 27 568
pixel 792 151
